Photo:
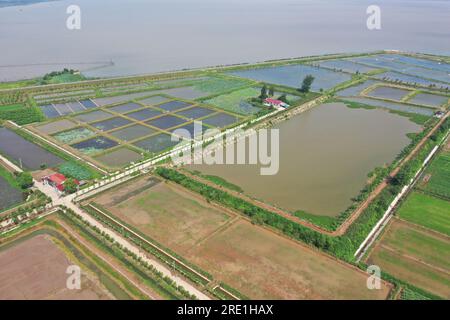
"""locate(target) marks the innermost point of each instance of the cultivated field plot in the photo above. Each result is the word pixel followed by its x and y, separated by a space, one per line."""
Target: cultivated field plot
pixel 71 136
pixel 193 130
pixel 195 112
pixel 118 157
pixel 30 155
pixel 157 143
pixel 126 107
pixel 168 213
pixel 415 255
pixel 429 99
pixel 101 102
pixel 35 269
pixel 56 126
pixel 236 101
pixel 221 120
pixel 94 145
pixel 144 114
pixel 133 132
pixel 389 93
pixel 166 122
pixel 437 176
pixel 174 105
pixel 111 124
pixel 96 115
pixel 151 101
pixel 9 196
pixel 391 105
pixel 427 211
pixel 255 261
pixel 292 76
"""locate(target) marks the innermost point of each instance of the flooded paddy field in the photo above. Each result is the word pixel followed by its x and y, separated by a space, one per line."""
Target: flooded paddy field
pixel 392 105
pixel 9 196
pixel 88 104
pixel 94 145
pixel 157 143
pixel 166 122
pixel 126 107
pixel 174 105
pixel 356 90
pixel 20 150
pixel 70 136
pixel 431 64
pixel 221 120
pixel 345 65
pixel 409 69
pixel 192 130
pixel 101 102
pixel 144 114
pixel 49 111
pixel 118 157
pixel 293 75
pixel 132 133
pixel 96 115
pixel 325 156
pixel 429 99
pixel 196 112
pixel 153 100
pixel 390 93
pixel 411 80
pixel 110 124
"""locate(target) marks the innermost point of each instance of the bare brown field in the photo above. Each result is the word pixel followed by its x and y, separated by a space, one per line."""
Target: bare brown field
pixel 35 269
pixel 415 255
pixel 257 262
pixel 166 213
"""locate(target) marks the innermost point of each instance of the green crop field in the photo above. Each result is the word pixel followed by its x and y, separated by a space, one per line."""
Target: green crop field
pixel 21 114
pixel 427 211
pixel 217 85
pixel 414 255
pixel 234 101
pixel 439 170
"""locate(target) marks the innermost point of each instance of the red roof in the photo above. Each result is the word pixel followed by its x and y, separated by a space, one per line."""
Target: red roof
pixel 57 178
pixel 273 101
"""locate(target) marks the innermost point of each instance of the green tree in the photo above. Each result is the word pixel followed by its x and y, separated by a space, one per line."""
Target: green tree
pixel 306 84
pixel 263 94
pixel 25 180
pixel 283 98
pixel 70 185
pixel 271 92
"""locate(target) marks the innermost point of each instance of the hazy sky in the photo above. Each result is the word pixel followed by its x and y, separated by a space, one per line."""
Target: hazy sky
pixel 143 36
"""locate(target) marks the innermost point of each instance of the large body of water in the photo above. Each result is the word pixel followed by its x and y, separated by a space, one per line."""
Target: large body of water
pixel 325 156
pixel 144 36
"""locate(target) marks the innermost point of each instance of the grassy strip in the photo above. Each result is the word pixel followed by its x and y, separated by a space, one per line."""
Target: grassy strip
pixel 218 181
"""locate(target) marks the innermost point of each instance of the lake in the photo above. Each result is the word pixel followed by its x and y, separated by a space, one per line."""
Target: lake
pixel 146 36
pixel 325 156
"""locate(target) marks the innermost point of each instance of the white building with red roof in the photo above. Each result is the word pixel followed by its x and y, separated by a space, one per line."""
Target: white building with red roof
pixel 277 104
